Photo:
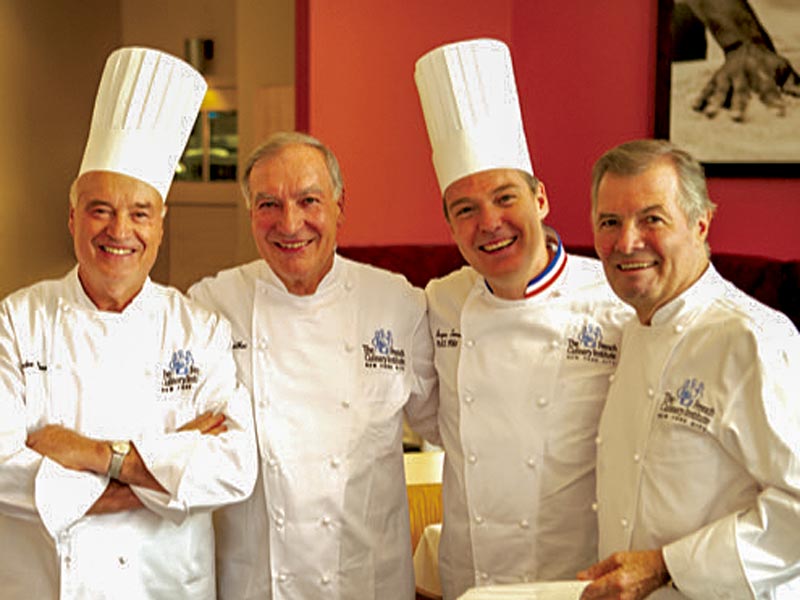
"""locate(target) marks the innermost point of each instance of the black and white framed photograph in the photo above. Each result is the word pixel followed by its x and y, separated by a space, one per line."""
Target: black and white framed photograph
pixel 728 84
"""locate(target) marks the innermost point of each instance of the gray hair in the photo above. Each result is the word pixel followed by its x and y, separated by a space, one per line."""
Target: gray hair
pixel 635 157
pixel 277 142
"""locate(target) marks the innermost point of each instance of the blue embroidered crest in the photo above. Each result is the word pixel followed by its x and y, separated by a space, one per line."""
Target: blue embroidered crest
pixel 182 361
pixel 685 406
pixel 182 373
pixel 690 392
pixel 382 341
pixel 590 336
pixel 380 353
pixel 588 346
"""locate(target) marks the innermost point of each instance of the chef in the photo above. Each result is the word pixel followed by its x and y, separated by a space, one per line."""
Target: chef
pixel 122 423
pixel 334 352
pixel 526 339
pixel 698 460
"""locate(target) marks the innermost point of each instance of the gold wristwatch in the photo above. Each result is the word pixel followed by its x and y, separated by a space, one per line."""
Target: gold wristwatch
pixel 119 450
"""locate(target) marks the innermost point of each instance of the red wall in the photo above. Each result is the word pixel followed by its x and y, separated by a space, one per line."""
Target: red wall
pixel 585 72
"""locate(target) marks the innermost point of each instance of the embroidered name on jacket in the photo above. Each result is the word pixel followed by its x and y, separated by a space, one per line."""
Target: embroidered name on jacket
pixel 182 374
pixel 447 339
pixel 29 364
pixel 588 346
pixel 685 407
pixel 380 353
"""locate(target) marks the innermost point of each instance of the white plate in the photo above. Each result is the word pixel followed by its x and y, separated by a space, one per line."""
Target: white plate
pixel 543 590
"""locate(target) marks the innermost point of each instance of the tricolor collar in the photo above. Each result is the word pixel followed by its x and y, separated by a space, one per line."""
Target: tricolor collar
pixel 551 272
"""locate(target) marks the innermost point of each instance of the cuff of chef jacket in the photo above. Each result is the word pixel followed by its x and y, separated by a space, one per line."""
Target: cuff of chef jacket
pixel 162 504
pixel 705 564
pixel 63 496
pixel 166 457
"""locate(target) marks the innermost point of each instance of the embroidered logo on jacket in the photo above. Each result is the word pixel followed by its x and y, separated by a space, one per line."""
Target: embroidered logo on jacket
pixel 685 406
pixel 239 345
pixel 380 353
pixel 588 346
pixel 182 373
pixel 447 339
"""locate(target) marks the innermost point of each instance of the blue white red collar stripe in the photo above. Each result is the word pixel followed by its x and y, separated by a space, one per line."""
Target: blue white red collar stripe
pixel 551 272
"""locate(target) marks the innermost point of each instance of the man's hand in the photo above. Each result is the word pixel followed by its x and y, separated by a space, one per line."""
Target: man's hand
pixel 116 498
pixel 207 423
pixel 625 576
pixel 748 69
pixel 70 449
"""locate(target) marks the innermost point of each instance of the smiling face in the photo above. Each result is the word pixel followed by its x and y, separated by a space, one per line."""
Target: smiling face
pixel 294 216
pixel 651 253
pixel 496 221
pixel 116 223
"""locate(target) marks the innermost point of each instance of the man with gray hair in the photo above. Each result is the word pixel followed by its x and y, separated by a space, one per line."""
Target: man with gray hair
pixel 698 463
pixel 334 353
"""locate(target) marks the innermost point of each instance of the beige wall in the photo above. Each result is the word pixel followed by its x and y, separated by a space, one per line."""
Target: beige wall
pixel 165 24
pixel 265 68
pixel 51 56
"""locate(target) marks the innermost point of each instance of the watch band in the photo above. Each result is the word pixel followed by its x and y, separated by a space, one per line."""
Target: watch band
pixel 119 450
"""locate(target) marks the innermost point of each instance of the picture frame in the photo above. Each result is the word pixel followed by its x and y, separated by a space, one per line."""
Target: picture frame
pixel 763 144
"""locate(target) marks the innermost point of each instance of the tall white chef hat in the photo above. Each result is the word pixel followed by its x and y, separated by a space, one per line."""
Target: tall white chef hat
pixel 145 108
pixel 471 108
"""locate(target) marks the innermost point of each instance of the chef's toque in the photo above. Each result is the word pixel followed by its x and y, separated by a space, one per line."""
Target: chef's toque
pixel 471 109
pixel 145 109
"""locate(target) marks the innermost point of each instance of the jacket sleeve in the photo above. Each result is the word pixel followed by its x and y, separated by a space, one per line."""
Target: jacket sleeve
pixel 746 554
pixel 33 487
pixel 422 407
pixel 18 464
pixel 204 472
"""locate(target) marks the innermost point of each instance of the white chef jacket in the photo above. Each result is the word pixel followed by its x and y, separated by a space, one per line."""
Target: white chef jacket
pixel 331 374
pixel 522 384
pixel 699 447
pixel 135 375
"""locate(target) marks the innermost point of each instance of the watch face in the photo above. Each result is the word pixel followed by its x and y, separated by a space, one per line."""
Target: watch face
pixel 120 447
